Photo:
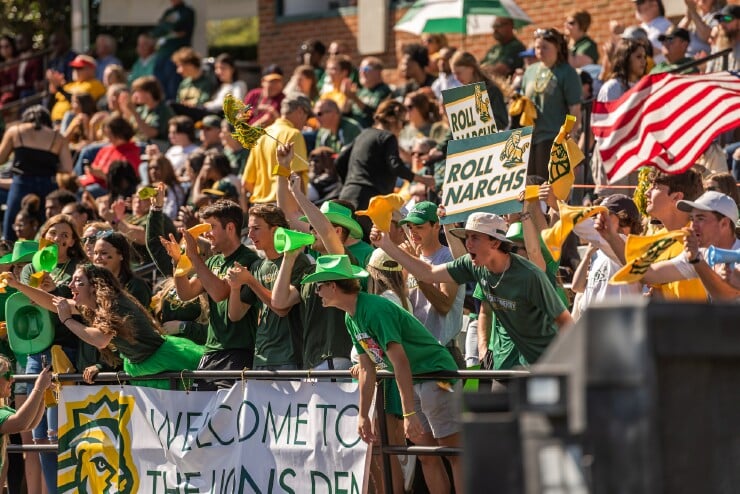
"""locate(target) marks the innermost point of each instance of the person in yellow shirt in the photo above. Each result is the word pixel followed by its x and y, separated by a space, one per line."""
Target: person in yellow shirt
pixel 258 178
pixel 663 195
pixel 83 81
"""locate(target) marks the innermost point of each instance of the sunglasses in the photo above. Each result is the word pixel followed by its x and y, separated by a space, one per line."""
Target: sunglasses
pixel 546 33
pixel 7 375
pixel 409 107
pixel 724 18
pixel 366 69
pixel 89 239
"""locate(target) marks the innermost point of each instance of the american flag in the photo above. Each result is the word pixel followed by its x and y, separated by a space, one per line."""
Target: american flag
pixel 666 121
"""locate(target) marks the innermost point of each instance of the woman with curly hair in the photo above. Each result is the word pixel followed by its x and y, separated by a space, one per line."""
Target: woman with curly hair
pixel 118 325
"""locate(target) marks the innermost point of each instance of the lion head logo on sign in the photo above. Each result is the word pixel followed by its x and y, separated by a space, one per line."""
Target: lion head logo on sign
pixel 513 153
pixel 95 446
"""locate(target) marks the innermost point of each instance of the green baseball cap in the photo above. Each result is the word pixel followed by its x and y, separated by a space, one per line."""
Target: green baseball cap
pixel 340 215
pixel 423 212
pixel 23 251
pixel 30 329
pixel 334 267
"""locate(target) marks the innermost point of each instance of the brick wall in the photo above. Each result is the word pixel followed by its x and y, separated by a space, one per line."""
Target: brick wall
pixel 279 41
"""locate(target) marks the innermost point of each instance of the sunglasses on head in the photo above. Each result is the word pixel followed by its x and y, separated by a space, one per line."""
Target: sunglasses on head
pixel 96 236
pixel 724 18
pixel 546 33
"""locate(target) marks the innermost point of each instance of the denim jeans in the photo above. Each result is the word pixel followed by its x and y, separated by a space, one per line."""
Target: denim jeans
pixel 23 185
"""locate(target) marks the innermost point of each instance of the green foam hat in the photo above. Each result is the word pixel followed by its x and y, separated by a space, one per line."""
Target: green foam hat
pixel 515 232
pixel 286 240
pixel 23 251
pixel 46 259
pixel 30 329
pixel 334 267
pixel 340 215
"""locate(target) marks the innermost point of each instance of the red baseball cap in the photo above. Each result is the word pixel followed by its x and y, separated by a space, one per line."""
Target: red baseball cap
pixel 82 61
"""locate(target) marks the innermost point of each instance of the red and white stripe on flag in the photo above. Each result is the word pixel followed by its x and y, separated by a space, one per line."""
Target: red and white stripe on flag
pixel 666 121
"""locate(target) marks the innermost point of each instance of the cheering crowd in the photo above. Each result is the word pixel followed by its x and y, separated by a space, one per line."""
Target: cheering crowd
pixel 123 169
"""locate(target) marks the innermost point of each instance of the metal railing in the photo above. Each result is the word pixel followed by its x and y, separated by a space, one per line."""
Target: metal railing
pixel 384 450
pixel 725 54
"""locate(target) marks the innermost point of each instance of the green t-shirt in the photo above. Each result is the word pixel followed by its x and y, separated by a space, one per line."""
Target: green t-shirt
pixel 506 53
pixel 139 289
pixel 348 130
pixel 521 297
pixel 505 354
pixel 324 332
pixel 195 92
pixel 553 91
pixel 5 413
pixel 278 339
pixel 586 46
pixel 157 117
pixel 378 322
pixel 176 19
pixel 361 251
pixel 224 334
pixel 146 338
pixel 371 98
pixel 666 66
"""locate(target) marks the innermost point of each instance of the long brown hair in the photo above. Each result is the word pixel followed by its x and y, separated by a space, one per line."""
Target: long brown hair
pixel 75 251
pixel 114 306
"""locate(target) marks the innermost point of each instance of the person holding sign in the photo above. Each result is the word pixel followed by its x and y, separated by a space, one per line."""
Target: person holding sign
pixel 467 71
pixel 518 292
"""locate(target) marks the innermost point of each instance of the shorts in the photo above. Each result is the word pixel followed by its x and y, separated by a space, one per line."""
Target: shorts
pixel 438 408
pixel 235 359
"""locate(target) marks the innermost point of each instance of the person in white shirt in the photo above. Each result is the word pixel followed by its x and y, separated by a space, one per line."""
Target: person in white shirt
pixel 437 305
pixel 651 14
pixel 591 278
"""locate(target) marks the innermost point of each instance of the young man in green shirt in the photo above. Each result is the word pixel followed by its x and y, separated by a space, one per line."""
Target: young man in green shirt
pixel 229 344
pixel 278 341
pixel 390 338
pixel 519 293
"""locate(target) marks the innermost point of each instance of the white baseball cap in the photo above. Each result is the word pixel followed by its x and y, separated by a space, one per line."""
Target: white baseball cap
pixel 712 201
pixel 485 223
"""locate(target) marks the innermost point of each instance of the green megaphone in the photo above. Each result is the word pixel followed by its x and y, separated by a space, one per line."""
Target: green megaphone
pixel 46 259
pixel 286 240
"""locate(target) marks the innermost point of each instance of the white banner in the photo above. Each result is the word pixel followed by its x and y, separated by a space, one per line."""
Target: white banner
pixel 260 436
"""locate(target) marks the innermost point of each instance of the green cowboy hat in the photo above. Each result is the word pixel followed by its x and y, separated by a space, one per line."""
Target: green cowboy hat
pixel 30 329
pixel 334 267
pixel 23 251
pixel 340 215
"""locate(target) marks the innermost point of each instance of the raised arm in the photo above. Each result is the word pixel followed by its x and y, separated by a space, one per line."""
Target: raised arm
pixel 216 288
pixel 320 223
pixel 29 414
pixel 422 271
pixel 89 334
pixel 284 294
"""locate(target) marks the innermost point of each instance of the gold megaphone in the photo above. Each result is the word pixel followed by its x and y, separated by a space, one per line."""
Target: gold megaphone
pixel 722 256
pixel 184 265
pixel 380 210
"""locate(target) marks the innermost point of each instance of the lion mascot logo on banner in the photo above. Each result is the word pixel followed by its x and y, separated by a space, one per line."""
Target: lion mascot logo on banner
pixel 95 446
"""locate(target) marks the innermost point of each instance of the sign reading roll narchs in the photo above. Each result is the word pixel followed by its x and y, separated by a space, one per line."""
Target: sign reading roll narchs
pixel 485 174
pixel 469 111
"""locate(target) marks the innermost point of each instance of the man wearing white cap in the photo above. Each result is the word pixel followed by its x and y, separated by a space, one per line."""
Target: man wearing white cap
pixel 713 218
pixel 518 292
